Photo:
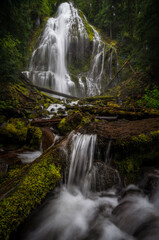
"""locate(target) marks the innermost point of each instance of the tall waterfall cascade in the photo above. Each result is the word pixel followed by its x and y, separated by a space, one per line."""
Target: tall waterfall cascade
pixel 70 55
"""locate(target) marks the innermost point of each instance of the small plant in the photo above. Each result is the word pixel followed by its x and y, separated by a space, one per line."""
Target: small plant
pixel 150 99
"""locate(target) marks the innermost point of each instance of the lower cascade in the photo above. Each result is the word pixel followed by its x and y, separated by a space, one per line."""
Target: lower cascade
pixel 77 211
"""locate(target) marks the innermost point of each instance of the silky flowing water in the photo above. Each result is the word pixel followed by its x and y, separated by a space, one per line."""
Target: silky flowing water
pixel 65 59
pixel 75 211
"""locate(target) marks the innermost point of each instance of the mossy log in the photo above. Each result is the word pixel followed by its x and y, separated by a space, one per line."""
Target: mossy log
pixel 120 113
pixel 30 184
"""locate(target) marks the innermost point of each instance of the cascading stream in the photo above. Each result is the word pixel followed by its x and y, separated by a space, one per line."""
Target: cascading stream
pixel 80 172
pixel 78 214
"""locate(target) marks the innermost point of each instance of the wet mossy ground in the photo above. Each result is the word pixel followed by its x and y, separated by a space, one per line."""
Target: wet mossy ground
pixel 20 132
pixel 22 100
pixel 73 121
pixel 27 187
pixel 135 141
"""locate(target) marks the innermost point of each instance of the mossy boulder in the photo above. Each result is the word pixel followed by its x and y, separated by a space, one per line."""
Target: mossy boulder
pixel 70 123
pixel 14 130
pixel 20 132
pixel 34 137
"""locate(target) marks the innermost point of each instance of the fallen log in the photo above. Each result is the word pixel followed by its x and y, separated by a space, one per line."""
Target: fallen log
pixel 117 74
pixel 108 118
pixel 47 90
pixel 127 62
pixel 45 122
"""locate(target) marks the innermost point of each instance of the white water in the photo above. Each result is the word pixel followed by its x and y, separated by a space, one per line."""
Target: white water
pixel 28 157
pixel 76 213
pixel 80 171
pixel 48 66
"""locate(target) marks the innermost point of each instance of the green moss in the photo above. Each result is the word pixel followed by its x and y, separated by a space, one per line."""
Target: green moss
pixel 70 123
pixel 14 130
pixel 132 153
pixel 20 131
pixel 140 139
pixel 77 67
pixel 34 136
pixel 89 29
pixel 86 120
pixel 41 178
pixel 129 169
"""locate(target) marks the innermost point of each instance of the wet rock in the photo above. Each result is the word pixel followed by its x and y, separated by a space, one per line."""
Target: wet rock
pixel 150 180
pixel 135 213
pixel 47 138
pixel 106 176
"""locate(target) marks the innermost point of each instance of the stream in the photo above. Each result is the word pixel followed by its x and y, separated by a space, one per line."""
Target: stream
pixel 77 211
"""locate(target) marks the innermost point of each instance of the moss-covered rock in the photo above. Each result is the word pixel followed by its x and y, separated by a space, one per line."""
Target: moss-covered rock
pixel 70 123
pixel 18 131
pixel 34 136
pixel 89 29
pixel 133 153
pixel 14 130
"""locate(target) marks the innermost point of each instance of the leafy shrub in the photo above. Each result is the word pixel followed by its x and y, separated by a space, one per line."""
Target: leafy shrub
pixel 150 99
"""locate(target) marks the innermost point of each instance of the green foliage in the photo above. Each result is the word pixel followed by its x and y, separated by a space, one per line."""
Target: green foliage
pixel 41 178
pixel 150 99
pixel 10 57
pixel 89 29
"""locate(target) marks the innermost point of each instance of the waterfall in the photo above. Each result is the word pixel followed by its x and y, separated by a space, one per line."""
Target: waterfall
pixel 65 58
pixel 80 173
pixel 75 212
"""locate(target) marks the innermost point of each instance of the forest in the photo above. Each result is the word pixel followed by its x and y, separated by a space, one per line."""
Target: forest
pixel 79 120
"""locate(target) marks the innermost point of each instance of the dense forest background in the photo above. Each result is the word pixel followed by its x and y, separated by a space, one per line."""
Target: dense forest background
pixel 132 23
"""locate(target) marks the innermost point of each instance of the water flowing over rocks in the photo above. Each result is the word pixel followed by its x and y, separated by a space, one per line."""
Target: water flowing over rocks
pixel 70 55
pixel 83 209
